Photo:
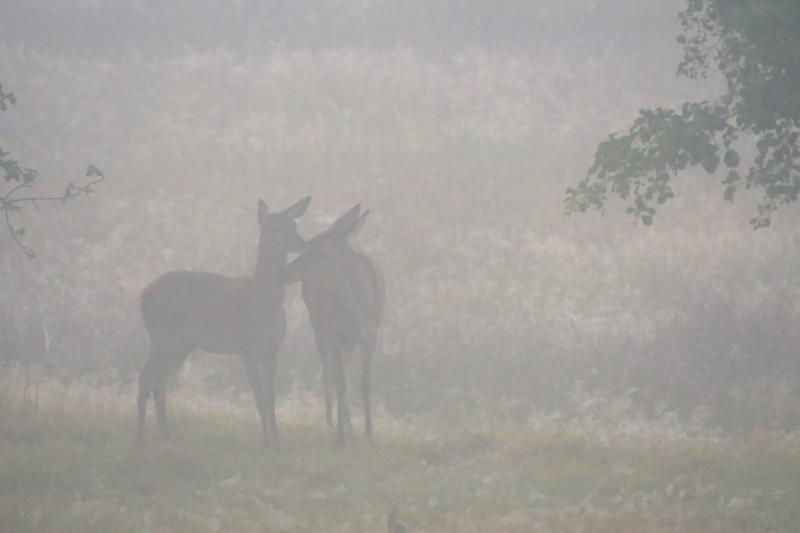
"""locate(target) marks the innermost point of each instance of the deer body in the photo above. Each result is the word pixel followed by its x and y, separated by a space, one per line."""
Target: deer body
pixel 185 310
pixel 214 313
pixel 343 320
pixel 344 293
pixel 352 318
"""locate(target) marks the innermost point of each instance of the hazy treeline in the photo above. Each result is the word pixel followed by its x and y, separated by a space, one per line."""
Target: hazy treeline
pixel 462 150
pixel 88 27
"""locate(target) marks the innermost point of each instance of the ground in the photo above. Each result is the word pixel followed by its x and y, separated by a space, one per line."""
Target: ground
pixel 70 465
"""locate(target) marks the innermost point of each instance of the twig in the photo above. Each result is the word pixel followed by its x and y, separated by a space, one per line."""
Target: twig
pixel 9 203
pixel 13 231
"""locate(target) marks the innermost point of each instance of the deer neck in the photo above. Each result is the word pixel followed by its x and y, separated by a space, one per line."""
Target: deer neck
pixel 269 274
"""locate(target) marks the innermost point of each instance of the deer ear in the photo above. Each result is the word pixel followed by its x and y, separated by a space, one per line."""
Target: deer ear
pixel 297 210
pixel 360 222
pixel 263 211
pixel 346 223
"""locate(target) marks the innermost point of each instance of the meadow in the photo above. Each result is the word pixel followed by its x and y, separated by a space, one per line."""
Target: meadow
pixel 72 466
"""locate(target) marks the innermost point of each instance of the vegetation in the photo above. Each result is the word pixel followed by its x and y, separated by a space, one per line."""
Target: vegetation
pixel 600 370
pixel 22 178
pixel 483 273
pixel 72 466
pixel 752 44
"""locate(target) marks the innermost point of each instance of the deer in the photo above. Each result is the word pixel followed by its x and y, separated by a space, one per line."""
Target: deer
pixel 344 293
pixel 185 310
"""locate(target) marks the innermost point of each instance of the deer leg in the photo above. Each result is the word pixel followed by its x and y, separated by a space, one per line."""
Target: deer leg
pixel 366 377
pixel 270 372
pixel 340 380
pixel 252 366
pixel 328 375
pixel 318 326
pixel 145 388
pixel 160 399
pixel 348 424
pixel 170 364
pixel 367 352
pixel 326 383
pixel 147 384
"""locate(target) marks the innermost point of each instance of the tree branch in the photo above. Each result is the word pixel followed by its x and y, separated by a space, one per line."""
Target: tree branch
pixel 9 203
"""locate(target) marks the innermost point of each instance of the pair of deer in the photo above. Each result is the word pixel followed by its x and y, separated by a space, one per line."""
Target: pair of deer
pixel 342 289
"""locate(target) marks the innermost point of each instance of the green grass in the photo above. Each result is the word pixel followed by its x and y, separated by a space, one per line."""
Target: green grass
pixel 72 467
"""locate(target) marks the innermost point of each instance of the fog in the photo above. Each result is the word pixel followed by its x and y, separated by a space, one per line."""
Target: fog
pixel 533 371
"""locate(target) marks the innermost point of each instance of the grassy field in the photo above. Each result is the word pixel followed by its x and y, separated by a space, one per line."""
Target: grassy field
pixel 71 466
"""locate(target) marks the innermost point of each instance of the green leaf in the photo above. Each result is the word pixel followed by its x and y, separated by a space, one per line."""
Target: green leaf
pixel 730 190
pixel 94 171
pixel 710 163
pixel 753 44
pixel 732 158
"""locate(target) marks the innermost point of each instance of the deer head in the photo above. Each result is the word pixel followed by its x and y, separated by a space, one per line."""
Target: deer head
pixel 324 251
pixel 279 230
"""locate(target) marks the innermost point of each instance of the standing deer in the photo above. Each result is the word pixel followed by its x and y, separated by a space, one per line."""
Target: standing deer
pixel 344 293
pixel 185 310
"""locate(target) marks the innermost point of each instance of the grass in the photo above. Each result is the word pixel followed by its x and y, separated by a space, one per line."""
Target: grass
pixel 72 467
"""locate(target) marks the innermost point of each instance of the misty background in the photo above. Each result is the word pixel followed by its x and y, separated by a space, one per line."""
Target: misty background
pixel 459 124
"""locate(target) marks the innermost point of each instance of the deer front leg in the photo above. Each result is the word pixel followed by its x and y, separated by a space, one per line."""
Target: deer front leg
pixel 145 388
pixel 270 371
pixel 320 328
pixel 252 367
pixel 160 399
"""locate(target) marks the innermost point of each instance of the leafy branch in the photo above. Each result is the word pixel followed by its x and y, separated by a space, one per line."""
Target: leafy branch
pixel 753 44
pixel 24 178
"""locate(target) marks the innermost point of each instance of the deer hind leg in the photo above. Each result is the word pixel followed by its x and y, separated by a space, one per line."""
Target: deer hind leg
pixel 326 383
pixel 348 423
pixel 172 363
pixel 328 375
pixel 163 363
pixel 340 380
pixel 252 367
pixel 366 378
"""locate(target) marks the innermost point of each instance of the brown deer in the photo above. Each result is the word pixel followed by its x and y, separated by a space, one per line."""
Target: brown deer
pixel 185 310
pixel 344 292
